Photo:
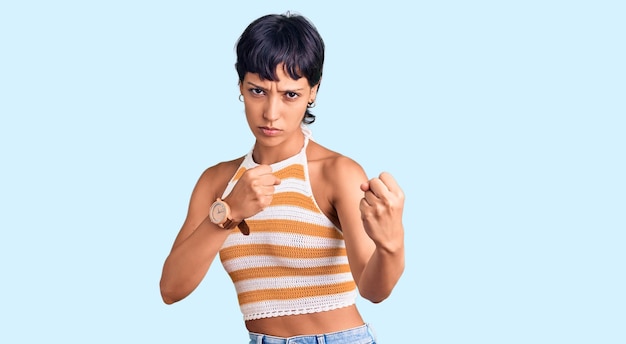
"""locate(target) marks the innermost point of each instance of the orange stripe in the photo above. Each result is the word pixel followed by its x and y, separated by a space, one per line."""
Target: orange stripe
pixel 295 227
pixel 294 199
pixel 283 271
pixel 279 251
pixel 294 293
pixel 239 173
pixel 295 171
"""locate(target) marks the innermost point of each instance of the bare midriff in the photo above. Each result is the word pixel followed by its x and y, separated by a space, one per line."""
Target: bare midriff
pixel 307 324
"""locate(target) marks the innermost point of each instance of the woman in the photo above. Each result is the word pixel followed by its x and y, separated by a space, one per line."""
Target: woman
pixel 298 227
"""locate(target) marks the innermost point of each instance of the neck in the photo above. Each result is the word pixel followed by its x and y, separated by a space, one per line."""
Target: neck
pixel 267 154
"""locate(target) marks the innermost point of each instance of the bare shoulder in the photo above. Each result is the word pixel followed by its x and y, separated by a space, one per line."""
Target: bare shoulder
pixel 222 169
pixel 210 185
pixel 334 165
pixel 214 179
pixel 334 175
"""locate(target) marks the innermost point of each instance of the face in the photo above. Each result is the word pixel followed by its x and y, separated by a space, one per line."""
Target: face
pixel 274 109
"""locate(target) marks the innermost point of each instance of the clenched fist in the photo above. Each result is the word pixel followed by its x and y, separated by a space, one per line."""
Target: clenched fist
pixel 381 211
pixel 253 192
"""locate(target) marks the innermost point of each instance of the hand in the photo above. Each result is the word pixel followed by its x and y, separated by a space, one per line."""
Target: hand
pixel 381 211
pixel 253 192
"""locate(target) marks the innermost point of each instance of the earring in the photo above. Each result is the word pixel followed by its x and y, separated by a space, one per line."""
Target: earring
pixel 311 105
pixel 241 98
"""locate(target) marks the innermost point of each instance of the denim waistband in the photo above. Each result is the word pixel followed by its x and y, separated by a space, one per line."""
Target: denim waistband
pixel 358 335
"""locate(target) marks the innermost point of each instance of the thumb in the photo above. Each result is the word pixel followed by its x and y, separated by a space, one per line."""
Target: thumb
pixel 365 186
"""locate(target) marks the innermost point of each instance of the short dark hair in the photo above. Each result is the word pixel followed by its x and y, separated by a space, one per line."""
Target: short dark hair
pixel 281 38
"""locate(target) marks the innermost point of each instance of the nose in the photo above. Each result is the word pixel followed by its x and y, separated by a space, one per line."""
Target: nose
pixel 271 112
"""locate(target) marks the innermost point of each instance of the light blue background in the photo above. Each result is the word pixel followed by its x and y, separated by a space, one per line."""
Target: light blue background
pixel 503 122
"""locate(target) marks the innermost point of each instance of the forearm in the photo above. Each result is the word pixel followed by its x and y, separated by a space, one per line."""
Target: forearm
pixel 188 262
pixel 381 274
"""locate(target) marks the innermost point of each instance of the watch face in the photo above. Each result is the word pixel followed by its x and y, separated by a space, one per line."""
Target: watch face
pixel 218 212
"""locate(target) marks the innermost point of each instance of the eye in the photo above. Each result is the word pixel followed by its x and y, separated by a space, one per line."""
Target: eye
pixel 292 95
pixel 256 91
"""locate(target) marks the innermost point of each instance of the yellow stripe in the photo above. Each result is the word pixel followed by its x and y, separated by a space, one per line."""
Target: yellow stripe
pixel 283 271
pixel 294 293
pixel 239 173
pixel 293 227
pixel 279 251
pixel 294 199
pixel 295 171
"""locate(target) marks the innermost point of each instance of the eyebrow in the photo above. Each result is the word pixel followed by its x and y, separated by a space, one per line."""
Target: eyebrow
pixel 265 89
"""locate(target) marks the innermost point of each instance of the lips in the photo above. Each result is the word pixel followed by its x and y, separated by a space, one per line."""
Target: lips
pixel 268 131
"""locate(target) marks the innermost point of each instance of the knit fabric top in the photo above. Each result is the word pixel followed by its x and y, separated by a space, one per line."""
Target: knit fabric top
pixel 294 260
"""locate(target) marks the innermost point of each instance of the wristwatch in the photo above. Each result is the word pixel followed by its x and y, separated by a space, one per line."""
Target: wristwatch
pixel 220 215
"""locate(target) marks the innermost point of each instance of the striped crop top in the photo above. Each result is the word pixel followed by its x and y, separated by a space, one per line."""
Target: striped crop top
pixel 294 260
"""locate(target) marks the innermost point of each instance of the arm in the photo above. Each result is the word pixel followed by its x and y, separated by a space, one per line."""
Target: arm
pixel 381 211
pixel 199 240
pixel 370 213
pixel 197 243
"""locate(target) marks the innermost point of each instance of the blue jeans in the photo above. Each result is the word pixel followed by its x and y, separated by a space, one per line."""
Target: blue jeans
pixel 358 335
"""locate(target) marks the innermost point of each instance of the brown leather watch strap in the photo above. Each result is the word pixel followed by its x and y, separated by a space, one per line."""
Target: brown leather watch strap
pixel 243 227
pixel 229 224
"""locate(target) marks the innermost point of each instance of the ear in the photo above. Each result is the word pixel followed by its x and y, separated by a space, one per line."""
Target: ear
pixel 314 90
